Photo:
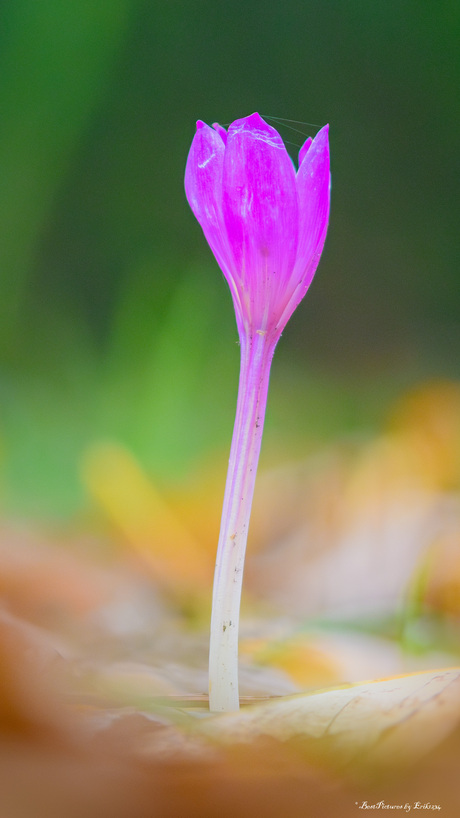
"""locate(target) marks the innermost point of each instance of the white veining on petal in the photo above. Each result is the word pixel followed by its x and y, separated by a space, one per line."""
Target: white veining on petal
pixel 263 136
pixel 203 164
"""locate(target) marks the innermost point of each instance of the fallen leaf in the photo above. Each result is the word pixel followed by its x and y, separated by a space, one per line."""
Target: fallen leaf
pixel 389 721
pixel 143 517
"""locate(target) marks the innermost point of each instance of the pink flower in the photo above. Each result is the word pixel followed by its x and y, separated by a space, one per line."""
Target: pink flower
pixel 265 223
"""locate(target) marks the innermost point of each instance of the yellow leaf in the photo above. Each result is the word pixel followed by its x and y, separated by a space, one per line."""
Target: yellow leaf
pixel 389 721
pixel 143 517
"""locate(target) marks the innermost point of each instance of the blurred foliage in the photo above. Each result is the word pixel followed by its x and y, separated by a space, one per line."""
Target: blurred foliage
pixel 115 323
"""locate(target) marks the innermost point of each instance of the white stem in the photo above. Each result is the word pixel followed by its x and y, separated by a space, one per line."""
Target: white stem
pixel 256 356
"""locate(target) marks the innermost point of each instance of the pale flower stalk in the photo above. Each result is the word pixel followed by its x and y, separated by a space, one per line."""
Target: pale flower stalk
pixel 256 355
pixel 266 225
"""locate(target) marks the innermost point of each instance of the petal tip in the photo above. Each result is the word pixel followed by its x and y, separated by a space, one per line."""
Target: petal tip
pixel 304 149
pixel 220 130
pixel 323 134
pixel 256 127
pixel 255 120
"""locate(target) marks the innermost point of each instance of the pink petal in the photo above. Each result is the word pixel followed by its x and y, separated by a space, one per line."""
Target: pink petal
pixel 313 188
pixel 220 130
pixel 304 149
pixel 261 214
pixel 203 188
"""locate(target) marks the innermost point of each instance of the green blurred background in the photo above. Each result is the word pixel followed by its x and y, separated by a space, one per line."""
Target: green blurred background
pixel 115 322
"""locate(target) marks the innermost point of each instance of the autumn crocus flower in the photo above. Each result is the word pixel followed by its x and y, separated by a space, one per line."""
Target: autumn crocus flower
pixel 266 225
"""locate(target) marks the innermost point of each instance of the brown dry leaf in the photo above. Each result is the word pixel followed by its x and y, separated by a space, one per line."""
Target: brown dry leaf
pixel 63 753
pixel 343 531
pixel 67 758
pixel 42 581
pixel 390 721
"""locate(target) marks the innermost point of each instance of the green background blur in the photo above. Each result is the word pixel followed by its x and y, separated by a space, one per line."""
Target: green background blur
pixel 115 322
